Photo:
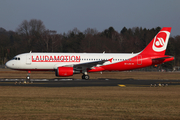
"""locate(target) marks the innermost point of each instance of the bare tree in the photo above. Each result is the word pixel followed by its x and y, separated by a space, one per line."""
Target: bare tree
pixel 36 26
pixel 50 38
pixel 46 38
pixel 23 28
pixel 32 30
pixel 31 27
pixel 91 31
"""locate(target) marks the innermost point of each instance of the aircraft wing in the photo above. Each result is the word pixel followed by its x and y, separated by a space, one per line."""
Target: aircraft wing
pixel 82 66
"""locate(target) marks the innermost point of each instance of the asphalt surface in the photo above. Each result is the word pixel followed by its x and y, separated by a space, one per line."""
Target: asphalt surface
pixel 70 82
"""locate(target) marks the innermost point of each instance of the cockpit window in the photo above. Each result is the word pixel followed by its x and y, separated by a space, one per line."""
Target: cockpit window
pixel 16 58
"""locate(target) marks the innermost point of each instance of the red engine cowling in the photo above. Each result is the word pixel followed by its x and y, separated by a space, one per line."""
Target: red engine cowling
pixel 64 71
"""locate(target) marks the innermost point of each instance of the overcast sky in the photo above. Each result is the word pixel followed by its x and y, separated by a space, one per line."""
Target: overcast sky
pixel 64 15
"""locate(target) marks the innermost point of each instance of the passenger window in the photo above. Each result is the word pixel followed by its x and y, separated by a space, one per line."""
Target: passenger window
pixel 18 58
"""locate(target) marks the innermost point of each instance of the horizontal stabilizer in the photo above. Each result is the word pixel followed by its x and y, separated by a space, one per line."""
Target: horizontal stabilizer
pixel 161 58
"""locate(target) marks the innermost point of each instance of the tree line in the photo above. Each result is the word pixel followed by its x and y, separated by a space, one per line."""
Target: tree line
pixel 33 36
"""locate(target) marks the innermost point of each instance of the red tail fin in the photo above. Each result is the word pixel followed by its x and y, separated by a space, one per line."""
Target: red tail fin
pixel 158 45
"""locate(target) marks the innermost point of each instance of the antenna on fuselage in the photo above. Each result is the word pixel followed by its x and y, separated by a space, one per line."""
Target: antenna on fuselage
pixel 103 52
pixel 30 52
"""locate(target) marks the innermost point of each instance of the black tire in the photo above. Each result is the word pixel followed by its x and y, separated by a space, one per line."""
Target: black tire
pixel 83 76
pixel 86 77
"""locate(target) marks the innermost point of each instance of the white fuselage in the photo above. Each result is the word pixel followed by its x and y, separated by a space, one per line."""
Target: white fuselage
pixel 50 61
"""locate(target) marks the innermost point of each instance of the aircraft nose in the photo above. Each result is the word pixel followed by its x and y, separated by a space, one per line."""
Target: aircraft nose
pixel 8 64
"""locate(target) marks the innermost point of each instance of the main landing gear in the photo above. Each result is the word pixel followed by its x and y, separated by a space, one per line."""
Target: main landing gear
pixel 85 76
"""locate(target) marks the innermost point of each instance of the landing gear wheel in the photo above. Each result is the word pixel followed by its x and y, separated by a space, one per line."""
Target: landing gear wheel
pixel 28 77
pixel 86 77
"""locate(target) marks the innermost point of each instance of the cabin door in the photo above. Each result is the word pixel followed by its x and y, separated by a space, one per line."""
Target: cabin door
pixel 28 59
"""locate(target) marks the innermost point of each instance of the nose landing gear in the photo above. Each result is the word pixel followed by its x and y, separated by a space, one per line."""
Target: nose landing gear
pixel 28 77
pixel 25 81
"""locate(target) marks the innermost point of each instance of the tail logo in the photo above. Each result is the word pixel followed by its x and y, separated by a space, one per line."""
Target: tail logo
pixel 160 41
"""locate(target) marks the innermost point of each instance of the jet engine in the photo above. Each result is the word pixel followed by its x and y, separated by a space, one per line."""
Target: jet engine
pixel 65 71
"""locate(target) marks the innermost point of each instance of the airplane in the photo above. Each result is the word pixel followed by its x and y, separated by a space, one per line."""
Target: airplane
pixel 67 64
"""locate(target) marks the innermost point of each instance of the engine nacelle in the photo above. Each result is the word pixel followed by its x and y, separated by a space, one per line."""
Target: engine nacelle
pixel 64 71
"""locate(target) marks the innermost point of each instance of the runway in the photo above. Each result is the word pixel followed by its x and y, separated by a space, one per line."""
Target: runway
pixel 70 82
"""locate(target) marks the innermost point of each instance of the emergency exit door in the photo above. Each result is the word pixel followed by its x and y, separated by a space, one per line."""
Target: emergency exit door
pixel 139 60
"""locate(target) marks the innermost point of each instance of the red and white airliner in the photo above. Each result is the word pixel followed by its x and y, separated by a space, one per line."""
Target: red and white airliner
pixel 67 64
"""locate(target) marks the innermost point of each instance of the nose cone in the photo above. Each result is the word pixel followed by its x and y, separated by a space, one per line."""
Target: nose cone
pixel 8 64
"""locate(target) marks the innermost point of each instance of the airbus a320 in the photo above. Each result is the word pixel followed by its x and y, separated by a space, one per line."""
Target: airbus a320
pixel 67 64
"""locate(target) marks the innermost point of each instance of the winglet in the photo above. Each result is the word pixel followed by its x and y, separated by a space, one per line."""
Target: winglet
pixel 110 60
